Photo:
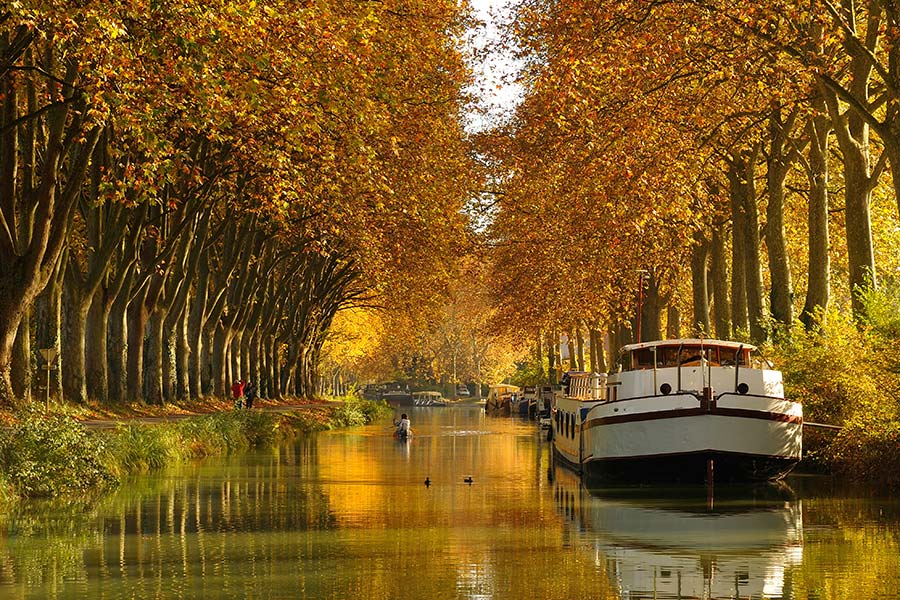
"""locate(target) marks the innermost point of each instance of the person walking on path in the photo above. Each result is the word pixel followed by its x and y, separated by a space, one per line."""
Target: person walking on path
pixel 249 394
pixel 237 390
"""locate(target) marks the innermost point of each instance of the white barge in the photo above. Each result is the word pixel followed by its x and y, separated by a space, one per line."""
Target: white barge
pixel 687 410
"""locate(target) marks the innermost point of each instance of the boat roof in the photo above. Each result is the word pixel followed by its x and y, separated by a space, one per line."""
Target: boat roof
pixel 688 342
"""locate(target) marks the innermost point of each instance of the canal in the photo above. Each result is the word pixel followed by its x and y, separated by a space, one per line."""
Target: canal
pixel 347 514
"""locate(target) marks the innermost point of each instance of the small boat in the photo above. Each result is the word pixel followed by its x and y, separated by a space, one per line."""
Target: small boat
pixel 685 410
pixel 518 403
pixel 543 402
pixel 500 398
pixel 526 404
pixel 395 393
pixel 428 399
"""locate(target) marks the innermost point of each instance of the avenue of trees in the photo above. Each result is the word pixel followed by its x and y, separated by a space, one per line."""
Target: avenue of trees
pixel 743 155
pixel 190 191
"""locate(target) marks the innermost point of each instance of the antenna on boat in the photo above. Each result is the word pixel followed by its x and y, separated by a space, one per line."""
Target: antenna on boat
pixel 643 274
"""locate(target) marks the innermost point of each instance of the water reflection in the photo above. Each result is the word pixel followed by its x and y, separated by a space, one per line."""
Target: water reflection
pixel 346 514
pixel 668 543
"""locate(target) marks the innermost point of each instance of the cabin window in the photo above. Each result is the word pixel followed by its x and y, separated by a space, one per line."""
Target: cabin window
pixel 667 357
pixel 643 359
pixel 690 356
pixel 729 356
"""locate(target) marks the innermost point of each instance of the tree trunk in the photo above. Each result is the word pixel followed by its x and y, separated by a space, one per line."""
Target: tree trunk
pixel 72 360
pixel 153 361
pixel 275 383
pixel 539 356
pixel 739 258
pixel 118 350
pixel 719 273
pixel 651 311
pixel 22 372
pixel 95 357
pixel 579 339
pixel 753 267
pixel 220 378
pixel 818 288
pixel 852 134
pixel 183 354
pixel 700 293
pixel 673 322
pixel 599 364
pixel 137 317
pixel 552 347
pixel 778 164
pixel 235 354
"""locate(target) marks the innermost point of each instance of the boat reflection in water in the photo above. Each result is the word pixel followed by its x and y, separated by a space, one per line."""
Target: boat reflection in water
pixel 663 543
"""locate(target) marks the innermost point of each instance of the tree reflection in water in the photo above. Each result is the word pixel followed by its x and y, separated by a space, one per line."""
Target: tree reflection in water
pixel 345 514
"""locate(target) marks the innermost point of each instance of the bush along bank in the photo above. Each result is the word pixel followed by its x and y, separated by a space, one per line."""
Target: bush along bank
pixel 53 455
pixel 849 375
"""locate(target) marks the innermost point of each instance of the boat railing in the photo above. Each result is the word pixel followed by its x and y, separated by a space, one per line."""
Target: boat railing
pixel 587 386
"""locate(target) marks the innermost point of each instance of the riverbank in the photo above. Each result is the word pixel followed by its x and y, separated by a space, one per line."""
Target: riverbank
pixel 58 454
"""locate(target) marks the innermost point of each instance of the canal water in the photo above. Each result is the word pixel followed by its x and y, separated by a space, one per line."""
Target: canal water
pixel 347 514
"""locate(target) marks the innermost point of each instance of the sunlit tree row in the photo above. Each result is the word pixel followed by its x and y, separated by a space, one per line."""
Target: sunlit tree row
pixel 190 191
pixel 735 153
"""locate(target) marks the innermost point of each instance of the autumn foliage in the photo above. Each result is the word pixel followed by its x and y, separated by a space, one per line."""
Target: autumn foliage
pixel 198 187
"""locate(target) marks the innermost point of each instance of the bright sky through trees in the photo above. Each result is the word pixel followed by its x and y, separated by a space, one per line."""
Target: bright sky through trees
pixel 495 90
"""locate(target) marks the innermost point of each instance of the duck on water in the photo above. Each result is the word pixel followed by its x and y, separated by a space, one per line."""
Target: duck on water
pixel 686 410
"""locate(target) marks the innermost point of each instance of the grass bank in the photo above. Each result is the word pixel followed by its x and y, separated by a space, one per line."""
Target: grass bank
pixel 54 455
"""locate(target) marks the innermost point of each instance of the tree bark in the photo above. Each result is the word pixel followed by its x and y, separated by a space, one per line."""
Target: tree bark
pixel 673 322
pixel 778 164
pixel 700 294
pixel 818 288
pixel 719 274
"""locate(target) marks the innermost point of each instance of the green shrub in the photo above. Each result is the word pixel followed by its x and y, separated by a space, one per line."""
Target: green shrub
pixel 49 455
pixel 226 432
pixel 846 374
pixel 354 412
pixel 136 448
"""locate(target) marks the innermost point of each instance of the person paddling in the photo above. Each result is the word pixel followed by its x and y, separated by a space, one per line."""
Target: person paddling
pixel 403 427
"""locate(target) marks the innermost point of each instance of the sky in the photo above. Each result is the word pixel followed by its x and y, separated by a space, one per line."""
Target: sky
pixel 496 96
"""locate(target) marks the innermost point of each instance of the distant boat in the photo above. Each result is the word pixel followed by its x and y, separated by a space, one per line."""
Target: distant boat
pixel 428 399
pixel 518 404
pixel 499 398
pixel 680 410
pixel 543 402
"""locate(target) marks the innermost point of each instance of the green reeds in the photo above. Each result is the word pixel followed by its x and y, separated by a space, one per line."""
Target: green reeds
pixel 53 455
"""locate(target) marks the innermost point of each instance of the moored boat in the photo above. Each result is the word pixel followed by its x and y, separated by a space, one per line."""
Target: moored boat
pixel 499 398
pixel 684 410
pixel 428 399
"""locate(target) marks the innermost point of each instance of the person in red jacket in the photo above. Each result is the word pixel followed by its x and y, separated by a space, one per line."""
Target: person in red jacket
pixel 237 390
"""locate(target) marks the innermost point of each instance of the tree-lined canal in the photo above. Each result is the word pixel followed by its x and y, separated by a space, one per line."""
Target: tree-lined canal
pixel 346 514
